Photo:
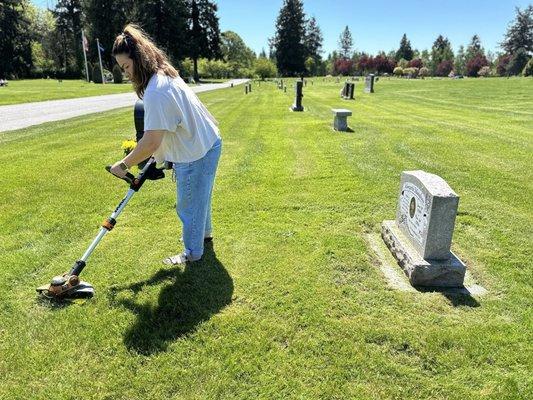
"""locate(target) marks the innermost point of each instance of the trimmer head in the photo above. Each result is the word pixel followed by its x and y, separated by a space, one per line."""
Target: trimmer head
pixel 66 287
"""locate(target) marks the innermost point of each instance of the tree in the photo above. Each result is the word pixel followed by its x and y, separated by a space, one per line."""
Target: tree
pixel 405 51
pixel 68 14
pixel 517 62
pixel 426 58
pixel 520 33
pixel 310 66
pixel 460 61
pixel 44 43
pixel 475 64
pixel 235 51
pixel 15 39
pixel 263 53
pixel 441 51
pixel 528 69
pixel 204 34
pixel 265 68
pixel 105 19
pixel 474 49
pixel 288 42
pixel 313 40
pixel 345 43
pixel 366 63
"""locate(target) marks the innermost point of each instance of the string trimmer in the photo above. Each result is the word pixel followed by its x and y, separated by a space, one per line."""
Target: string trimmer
pixel 69 285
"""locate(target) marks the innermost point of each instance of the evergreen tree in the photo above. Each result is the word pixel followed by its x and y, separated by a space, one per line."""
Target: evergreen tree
pixel 288 42
pixel 68 14
pixel 105 20
pixel 474 49
pixel 15 39
pixel 204 33
pixel 518 62
pixel 313 40
pixel 263 53
pixel 520 34
pixel 441 51
pixel 346 43
pixel 460 61
pixel 405 51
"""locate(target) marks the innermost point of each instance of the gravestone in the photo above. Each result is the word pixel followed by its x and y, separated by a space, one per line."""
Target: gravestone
pixel 344 91
pixel 421 236
pixel 369 83
pixel 340 121
pixel 347 93
pixel 351 90
pixel 297 106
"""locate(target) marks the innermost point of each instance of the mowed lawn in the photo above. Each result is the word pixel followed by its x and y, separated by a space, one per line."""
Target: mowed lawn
pixel 30 90
pixel 290 303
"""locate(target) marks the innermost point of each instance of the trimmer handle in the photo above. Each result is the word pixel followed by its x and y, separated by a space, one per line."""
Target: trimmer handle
pixel 128 178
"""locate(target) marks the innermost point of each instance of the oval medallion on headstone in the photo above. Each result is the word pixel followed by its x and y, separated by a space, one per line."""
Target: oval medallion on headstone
pixel 412 202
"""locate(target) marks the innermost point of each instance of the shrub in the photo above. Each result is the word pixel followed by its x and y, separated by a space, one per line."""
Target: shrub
pixel 97 76
pixel 411 72
pixel 475 64
pixel 416 63
pixel 503 62
pixel 423 72
pixel 398 71
pixel 517 62
pixel 528 69
pixel 484 71
pixel 117 74
pixel 384 64
pixel 343 66
pixel 444 68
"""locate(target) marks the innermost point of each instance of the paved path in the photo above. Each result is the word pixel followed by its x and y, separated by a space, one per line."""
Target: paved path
pixel 19 116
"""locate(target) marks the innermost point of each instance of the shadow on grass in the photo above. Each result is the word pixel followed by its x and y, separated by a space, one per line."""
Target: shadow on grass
pixel 191 296
pixel 456 296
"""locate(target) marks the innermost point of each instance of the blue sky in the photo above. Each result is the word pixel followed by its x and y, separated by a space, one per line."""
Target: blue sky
pixel 376 25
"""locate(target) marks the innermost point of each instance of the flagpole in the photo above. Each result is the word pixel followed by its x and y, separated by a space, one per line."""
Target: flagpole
pixel 100 58
pixel 84 56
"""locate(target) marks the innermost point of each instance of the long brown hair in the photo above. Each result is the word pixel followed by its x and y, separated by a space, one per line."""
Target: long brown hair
pixel 147 58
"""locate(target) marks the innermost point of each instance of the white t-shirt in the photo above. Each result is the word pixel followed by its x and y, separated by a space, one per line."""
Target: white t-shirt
pixel 172 106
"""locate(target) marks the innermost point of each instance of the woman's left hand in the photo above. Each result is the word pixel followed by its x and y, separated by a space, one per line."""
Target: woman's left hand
pixel 117 170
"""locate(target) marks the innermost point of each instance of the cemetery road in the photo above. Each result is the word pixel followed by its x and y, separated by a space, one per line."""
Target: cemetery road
pixel 18 116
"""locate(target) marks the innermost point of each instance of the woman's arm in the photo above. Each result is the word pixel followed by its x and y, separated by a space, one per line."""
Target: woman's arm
pixel 144 149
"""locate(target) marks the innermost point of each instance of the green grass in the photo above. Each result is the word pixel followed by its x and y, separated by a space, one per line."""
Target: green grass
pixel 30 90
pixel 290 304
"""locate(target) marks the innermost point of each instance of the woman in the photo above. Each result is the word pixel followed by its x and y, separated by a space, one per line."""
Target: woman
pixel 178 128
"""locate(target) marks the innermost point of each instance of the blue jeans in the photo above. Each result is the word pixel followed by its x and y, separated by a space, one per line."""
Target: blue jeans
pixel 194 182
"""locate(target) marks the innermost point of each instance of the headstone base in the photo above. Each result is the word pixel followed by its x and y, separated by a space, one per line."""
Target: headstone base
pixel 422 272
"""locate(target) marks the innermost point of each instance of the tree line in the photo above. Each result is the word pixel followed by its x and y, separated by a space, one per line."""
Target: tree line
pixel 38 43
pixel 296 49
